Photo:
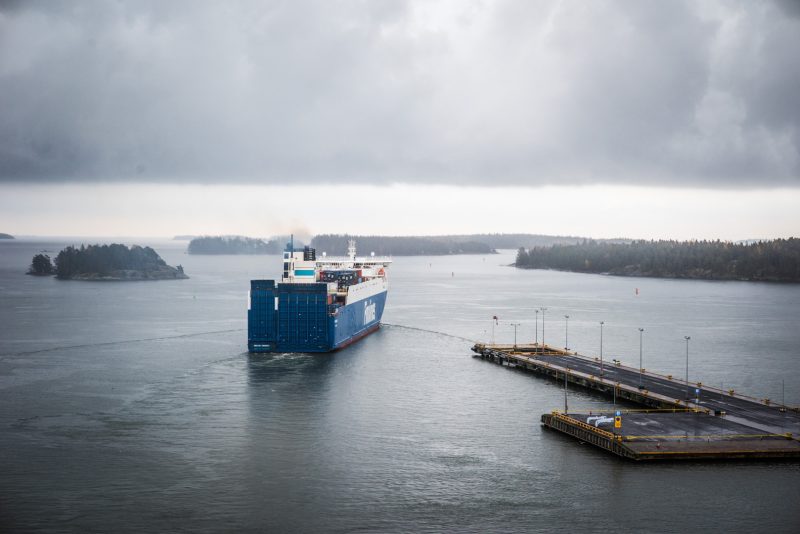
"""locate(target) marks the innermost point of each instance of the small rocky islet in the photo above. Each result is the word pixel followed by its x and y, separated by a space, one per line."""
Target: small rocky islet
pixel 113 262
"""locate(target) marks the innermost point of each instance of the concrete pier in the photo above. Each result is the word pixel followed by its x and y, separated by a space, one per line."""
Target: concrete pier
pixel 680 420
pixel 689 435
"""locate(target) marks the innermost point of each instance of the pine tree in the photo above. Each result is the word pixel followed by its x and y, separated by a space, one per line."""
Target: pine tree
pixel 41 265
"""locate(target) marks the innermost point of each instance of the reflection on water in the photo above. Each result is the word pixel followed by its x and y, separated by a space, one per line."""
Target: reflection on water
pixel 280 367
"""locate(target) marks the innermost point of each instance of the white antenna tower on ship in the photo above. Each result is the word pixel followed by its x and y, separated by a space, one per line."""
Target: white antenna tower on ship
pixel 351 249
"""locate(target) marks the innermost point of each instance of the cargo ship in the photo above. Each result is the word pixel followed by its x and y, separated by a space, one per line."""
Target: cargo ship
pixel 319 305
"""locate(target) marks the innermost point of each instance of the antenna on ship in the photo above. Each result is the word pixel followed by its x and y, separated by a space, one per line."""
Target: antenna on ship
pixel 351 249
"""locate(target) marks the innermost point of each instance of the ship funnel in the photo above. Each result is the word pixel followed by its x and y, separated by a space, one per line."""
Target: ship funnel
pixel 351 249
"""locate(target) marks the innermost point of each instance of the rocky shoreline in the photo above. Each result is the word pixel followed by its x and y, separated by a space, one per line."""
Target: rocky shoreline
pixel 696 274
pixel 170 273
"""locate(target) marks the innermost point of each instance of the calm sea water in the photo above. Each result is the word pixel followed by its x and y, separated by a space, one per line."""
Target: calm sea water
pixel 134 407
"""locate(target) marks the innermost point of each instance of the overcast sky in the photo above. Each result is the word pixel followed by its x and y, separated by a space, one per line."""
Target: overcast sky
pixel 654 108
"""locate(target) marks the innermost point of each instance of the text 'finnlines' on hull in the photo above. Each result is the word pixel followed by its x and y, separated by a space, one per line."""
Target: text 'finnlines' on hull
pixel 319 305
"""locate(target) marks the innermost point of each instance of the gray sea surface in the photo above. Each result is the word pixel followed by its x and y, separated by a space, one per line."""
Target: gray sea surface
pixel 135 407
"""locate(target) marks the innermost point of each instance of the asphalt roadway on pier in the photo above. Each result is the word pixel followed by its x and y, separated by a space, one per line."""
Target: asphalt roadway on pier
pixel 744 410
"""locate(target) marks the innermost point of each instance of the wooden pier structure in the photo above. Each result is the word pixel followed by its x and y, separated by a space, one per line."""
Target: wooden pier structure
pixel 679 420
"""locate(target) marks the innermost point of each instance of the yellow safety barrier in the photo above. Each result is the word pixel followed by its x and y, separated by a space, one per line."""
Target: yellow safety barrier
pixel 581 424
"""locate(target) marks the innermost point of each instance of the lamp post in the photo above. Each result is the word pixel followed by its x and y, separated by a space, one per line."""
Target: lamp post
pixel 543 310
pixel 601 348
pixel 688 393
pixel 537 326
pixel 641 331
pixel 566 332
pixel 515 325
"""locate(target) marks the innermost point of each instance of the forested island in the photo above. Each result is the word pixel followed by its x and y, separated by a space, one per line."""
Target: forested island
pixel 235 245
pixel 336 245
pixel 6 236
pixel 774 261
pixel 106 262
pixel 515 241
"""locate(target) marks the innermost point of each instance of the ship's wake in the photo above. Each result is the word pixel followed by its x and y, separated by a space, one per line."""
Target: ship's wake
pixel 437 332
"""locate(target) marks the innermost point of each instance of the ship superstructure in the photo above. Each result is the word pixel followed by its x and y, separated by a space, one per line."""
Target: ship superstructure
pixel 319 305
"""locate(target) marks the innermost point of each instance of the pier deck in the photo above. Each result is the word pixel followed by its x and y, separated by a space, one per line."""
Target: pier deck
pixel 680 422
pixel 689 435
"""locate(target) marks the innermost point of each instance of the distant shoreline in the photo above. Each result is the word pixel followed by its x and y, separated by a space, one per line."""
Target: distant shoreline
pixel 777 260
pixel 658 276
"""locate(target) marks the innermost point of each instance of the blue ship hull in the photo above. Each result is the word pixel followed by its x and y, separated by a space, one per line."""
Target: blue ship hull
pixel 298 318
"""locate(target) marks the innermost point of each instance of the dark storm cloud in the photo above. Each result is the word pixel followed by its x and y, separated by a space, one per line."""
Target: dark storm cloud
pixel 488 93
